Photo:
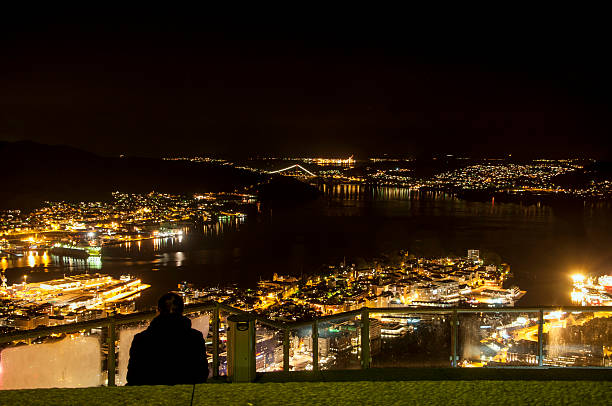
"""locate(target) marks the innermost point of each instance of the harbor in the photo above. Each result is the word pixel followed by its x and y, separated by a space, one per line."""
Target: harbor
pixel 69 299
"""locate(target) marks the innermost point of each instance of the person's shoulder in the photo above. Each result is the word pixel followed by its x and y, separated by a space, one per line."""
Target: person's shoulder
pixel 142 336
pixel 196 336
pixel 195 333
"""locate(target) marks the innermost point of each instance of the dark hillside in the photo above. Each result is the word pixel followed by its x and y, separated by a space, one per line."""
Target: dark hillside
pixel 32 173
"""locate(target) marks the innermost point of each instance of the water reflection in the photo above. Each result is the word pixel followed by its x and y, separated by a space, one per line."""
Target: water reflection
pixel 31 259
pixel 79 264
pixel 443 202
pixel 170 250
pixel 36 261
pixel 543 244
pixel 368 192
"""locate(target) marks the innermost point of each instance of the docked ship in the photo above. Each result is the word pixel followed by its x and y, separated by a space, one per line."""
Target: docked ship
pixel 76 251
pixel 592 291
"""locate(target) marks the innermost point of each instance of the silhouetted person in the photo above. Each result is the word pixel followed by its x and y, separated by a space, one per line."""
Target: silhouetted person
pixel 169 351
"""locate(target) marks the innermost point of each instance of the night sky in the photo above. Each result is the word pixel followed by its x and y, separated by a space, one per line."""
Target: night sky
pixel 178 86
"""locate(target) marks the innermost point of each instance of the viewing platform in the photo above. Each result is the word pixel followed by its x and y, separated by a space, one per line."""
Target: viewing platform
pixel 540 355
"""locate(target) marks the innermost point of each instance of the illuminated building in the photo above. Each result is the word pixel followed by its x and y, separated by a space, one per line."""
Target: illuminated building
pixel 473 255
pixel 78 297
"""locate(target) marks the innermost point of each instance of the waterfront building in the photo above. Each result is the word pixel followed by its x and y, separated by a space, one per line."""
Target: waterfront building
pixel 473 255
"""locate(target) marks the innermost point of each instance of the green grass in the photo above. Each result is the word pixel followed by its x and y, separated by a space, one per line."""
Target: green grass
pixel 329 393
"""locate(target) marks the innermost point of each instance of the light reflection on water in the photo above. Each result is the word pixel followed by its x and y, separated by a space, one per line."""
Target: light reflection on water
pixel 91 263
pixel 142 248
pixel 361 192
pixel 164 251
pixel 33 263
pixel 30 259
pixel 543 244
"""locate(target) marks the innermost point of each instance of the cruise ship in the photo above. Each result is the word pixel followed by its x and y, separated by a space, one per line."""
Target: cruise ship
pixel 76 251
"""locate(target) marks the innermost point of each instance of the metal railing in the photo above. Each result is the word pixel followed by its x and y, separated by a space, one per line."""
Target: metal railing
pixel 114 321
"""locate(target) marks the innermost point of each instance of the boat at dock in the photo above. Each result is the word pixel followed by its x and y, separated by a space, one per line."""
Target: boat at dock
pixel 74 251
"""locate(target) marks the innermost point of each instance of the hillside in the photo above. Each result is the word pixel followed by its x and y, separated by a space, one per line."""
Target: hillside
pixel 32 173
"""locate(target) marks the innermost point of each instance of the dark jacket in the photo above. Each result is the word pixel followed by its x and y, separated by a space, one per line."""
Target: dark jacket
pixel 168 352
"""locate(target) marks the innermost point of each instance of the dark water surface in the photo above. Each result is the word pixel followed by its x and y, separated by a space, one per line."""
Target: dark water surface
pixel 542 244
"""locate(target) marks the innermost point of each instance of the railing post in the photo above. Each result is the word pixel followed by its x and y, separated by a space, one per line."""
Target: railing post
pixel 541 338
pixel 215 354
pixel 112 362
pixel 454 336
pixel 315 345
pixel 286 349
pixel 365 338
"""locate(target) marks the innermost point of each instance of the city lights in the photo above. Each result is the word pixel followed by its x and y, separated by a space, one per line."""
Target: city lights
pixel 343 197
pixel 75 297
pixel 591 290
pixel 81 229
pixel 442 282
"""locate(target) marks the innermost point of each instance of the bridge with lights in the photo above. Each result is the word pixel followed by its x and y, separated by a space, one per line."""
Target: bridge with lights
pixel 296 170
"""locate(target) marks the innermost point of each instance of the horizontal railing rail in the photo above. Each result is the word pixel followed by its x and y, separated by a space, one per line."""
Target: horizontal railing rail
pixel 191 308
pixel 408 309
pixel 112 321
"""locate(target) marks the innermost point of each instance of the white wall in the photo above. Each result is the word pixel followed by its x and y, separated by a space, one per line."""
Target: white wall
pixel 70 363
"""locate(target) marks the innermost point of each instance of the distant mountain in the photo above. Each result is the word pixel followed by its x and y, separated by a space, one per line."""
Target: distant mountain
pixel 31 173
pixel 602 169
pixel 598 171
pixel 285 191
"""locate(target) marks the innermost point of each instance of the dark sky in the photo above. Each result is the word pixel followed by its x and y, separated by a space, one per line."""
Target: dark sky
pixel 181 86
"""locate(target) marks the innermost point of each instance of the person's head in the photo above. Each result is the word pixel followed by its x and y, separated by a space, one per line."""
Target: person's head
pixel 170 303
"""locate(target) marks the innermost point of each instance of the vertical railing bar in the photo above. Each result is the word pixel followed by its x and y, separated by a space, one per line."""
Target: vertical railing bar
pixel 315 345
pixel 216 324
pixel 252 348
pixel 111 360
pixel 454 337
pixel 365 338
pixel 286 349
pixel 541 338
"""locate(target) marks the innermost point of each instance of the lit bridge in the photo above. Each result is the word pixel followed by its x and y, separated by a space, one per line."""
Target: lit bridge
pixel 294 170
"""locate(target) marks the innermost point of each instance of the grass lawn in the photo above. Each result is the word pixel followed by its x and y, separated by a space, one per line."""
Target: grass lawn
pixel 329 393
